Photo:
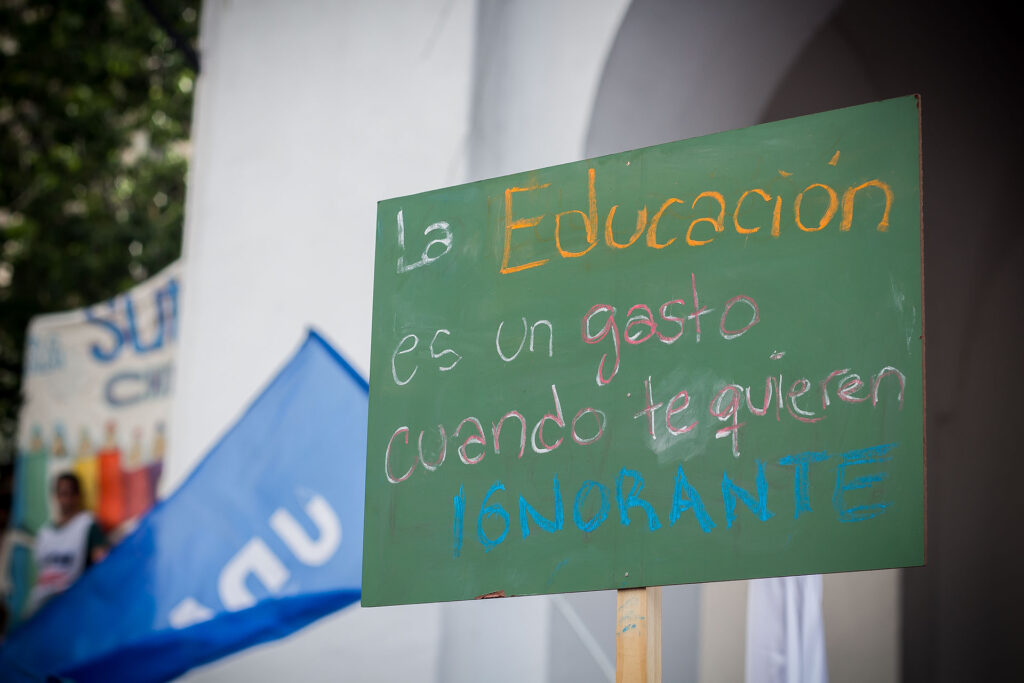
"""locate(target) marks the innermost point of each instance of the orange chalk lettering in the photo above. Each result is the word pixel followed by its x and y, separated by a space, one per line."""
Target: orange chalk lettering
pixel 736 214
pixel 591 237
pixel 851 194
pixel 589 220
pixel 833 204
pixel 641 223
pixel 652 233
pixel 718 224
pixel 511 225
pixel 776 216
pixel 592 205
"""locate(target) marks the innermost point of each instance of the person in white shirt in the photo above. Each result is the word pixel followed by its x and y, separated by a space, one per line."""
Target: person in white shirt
pixel 67 546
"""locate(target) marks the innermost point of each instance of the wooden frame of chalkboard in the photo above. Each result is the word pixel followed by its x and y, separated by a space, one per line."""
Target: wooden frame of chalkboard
pixel 693 362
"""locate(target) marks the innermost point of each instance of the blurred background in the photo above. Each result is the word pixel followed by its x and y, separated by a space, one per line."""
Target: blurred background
pixel 288 121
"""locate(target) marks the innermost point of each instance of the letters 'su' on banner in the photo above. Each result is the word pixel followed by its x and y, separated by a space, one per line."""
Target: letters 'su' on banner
pixel 263 538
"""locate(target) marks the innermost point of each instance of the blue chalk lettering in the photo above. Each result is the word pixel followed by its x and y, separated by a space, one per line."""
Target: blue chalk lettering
pixel 801 464
pixel 488 511
pixel 633 500
pixel 731 491
pixel 864 456
pixel 457 522
pixel 526 510
pixel 581 498
pixel 691 502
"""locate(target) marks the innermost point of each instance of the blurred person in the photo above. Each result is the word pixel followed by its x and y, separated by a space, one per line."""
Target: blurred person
pixel 66 547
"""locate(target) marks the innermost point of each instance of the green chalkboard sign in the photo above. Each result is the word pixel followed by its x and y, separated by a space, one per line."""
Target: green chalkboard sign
pixel 692 362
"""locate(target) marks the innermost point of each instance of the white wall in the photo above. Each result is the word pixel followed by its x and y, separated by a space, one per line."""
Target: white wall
pixel 537 68
pixel 684 68
pixel 307 113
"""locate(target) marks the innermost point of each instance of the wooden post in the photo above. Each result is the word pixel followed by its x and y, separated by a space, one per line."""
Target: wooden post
pixel 638 635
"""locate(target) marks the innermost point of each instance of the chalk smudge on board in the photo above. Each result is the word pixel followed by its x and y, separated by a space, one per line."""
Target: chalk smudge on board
pixel 913 324
pixel 558 568
pixel 667 447
pixel 898 297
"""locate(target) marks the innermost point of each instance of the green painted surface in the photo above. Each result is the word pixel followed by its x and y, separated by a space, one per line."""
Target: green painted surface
pixel 832 303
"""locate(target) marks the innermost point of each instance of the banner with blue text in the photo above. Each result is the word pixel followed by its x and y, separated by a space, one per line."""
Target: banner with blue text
pixel 97 388
pixel 264 537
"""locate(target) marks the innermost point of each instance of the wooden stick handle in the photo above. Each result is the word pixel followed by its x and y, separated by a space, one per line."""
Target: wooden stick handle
pixel 638 636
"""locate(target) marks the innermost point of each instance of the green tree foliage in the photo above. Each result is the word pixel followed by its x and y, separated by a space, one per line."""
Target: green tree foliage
pixel 95 107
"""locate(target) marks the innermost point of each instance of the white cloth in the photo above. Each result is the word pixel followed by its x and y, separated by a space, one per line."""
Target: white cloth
pixel 60 554
pixel 786 631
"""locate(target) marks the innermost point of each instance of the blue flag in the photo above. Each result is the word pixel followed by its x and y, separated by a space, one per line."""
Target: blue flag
pixel 264 537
